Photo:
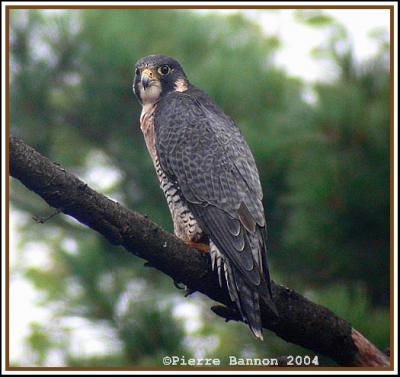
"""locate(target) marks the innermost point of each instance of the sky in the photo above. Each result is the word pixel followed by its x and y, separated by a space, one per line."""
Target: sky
pixel 298 41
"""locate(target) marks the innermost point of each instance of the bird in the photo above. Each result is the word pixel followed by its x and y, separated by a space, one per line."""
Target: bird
pixel 210 181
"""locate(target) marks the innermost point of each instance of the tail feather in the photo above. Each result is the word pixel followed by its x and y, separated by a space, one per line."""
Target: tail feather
pixel 250 304
pixel 246 296
pixel 240 292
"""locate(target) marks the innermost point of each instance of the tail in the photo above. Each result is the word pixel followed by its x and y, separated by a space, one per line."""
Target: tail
pixel 245 295
pixel 249 304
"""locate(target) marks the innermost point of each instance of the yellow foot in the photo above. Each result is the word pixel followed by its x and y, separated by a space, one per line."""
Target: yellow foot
pixel 203 247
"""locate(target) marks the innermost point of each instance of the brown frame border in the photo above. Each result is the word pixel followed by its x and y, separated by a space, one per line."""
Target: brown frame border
pixel 8 8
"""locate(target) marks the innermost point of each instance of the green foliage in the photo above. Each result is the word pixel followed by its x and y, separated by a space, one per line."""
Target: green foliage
pixel 344 210
pixel 39 343
pixel 315 18
pixel 324 170
pixel 353 304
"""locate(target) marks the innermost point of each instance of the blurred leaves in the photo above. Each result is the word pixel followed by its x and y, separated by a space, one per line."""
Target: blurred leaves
pixel 353 304
pixel 324 169
pixel 39 342
pixel 314 18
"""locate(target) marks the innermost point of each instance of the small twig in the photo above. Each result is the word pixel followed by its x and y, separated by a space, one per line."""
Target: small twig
pixel 42 220
pixel 179 285
pixel 189 291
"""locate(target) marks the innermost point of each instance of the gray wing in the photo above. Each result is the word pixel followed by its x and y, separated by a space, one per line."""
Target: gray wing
pixel 205 153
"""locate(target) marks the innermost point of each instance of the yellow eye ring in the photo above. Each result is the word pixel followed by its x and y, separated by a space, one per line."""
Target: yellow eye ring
pixel 164 70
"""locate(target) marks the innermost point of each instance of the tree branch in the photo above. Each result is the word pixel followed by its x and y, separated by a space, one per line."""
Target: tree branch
pixel 300 321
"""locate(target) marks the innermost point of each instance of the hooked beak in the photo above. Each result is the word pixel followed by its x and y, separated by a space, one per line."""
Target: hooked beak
pixel 147 78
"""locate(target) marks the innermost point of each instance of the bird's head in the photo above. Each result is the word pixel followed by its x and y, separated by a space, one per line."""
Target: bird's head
pixel 156 76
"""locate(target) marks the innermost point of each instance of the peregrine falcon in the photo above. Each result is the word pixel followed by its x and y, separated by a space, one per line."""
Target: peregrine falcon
pixel 210 180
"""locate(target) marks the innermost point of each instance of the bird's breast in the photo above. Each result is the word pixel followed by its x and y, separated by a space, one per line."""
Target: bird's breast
pixel 147 127
pixel 185 225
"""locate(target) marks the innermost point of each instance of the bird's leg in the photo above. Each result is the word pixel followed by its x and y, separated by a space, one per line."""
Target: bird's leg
pixel 203 247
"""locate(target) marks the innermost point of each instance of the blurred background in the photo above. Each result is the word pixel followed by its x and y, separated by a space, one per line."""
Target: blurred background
pixel 311 93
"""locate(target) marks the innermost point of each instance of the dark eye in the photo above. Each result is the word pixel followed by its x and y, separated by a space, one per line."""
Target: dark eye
pixel 137 72
pixel 164 70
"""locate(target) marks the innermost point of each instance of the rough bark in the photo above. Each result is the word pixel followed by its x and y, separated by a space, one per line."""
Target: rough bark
pixel 300 321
